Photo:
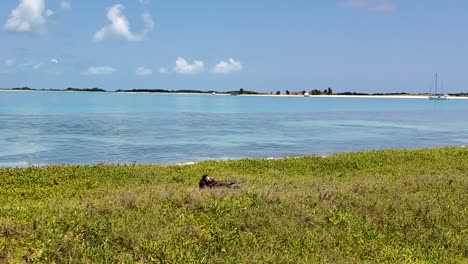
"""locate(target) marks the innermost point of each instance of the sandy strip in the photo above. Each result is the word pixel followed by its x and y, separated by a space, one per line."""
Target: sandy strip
pixel 268 95
pixel 360 96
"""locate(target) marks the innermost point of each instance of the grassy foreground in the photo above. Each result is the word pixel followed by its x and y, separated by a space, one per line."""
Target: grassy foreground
pixel 380 206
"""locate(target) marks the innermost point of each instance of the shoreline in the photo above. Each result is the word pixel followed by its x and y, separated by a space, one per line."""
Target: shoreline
pixel 25 164
pixel 359 96
pixel 260 95
pixel 409 96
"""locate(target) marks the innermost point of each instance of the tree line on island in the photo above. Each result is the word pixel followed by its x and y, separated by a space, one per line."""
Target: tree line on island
pixel 69 89
pixel 241 91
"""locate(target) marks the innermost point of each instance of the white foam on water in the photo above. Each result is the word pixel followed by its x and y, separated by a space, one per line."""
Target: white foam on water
pixel 186 163
pixel 14 164
pixel 21 164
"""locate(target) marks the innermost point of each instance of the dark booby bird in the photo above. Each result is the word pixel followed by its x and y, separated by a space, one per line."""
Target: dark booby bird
pixel 207 182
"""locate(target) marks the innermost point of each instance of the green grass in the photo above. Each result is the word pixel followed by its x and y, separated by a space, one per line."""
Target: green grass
pixel 380 206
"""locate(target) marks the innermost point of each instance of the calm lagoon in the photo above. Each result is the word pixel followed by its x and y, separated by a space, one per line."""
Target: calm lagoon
pixel 42 128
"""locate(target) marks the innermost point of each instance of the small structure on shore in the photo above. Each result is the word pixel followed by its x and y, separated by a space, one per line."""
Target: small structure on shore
pixel 207 182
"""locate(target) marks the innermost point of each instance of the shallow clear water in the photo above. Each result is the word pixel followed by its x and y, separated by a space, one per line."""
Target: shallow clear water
pixel 38 128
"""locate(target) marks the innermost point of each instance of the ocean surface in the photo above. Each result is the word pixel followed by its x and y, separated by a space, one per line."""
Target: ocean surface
pixel 42 128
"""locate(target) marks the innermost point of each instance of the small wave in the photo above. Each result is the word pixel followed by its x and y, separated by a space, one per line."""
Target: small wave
pixel 20 164
pixel 186 163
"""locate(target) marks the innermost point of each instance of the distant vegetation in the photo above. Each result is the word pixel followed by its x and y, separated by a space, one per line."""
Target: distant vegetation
pixel 352 93
pixel 239 92
pixel 328 91
pixel 70 89
pixel 162 91
pixel 22 88
pixel 458 94
pixel 85 90
pixel 375 207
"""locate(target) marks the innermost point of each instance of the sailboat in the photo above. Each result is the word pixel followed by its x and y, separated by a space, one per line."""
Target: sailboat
pixel 437 96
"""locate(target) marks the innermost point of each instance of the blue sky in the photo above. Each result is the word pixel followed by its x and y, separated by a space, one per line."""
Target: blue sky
pixel 262 45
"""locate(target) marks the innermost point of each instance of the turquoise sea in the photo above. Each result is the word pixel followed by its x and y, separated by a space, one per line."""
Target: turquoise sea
pixel 42 128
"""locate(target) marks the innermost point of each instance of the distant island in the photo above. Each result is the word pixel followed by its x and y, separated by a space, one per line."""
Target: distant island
pixel 85 90
pixel 241 91
pixel 69 89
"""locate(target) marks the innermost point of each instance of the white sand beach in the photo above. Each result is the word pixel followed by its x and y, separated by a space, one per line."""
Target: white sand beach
pixel 415 96
pixel 360 96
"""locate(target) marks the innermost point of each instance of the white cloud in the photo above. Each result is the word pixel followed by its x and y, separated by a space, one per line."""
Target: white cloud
pixel 9 62
pixel 227 67
pixel 183 67
pixel 37 66
pixel 144 2
pixel 47 66
pixel 163 70
pixel 66 5
pixel 41 65
pixel 100 70
pixel 49 13
pixel 29 16
pixel 142 71
pixel 120 27
pixel 371 5
pixel 149 22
